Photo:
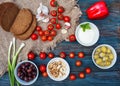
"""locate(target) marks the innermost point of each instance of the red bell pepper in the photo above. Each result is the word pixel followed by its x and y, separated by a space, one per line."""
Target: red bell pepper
pixel 97 11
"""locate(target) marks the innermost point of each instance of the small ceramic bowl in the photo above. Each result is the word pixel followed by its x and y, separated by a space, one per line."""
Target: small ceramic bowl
pixel 113 52
pixel 67 71
pixel 22 82
pixel 93 38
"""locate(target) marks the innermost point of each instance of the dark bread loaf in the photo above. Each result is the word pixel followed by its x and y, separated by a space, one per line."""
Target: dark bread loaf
pixel 8 13
pixel 28 33
pixel 22 22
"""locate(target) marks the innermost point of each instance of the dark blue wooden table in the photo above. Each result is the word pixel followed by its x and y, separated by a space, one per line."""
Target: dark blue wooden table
pixel 109 34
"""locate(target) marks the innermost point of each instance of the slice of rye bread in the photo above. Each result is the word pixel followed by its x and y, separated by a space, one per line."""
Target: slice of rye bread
pixel 8 15
pixel 22 22
pixel 28 33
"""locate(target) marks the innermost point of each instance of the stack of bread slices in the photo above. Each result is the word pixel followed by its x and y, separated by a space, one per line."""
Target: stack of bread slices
pixel 21 22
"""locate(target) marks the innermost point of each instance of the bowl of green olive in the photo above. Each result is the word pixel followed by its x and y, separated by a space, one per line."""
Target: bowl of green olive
pixel 104 56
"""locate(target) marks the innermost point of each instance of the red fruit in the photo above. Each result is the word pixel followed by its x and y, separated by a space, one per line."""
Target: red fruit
pixel 72 38
pixel 38 28
pixel 88 70
pixel 81 75
pixel 50 27
pixel 72 77
pixel 42 68
pixel 50 38
pixel 44 74
pixel 31 56
pixel 58 26
pixel 46 32
pixel 53 33
pixel 44 38
pixel 66 18
pixel 53 20
pixel 72 55
pixel 53 3
pixel 60 16
pixel 62 54
pixel 60 9
pixel 50 55
pixel 81 55
pixel 78 63
pixel 42 55
pixel 41 33
pixel 34 36
pixel 53 13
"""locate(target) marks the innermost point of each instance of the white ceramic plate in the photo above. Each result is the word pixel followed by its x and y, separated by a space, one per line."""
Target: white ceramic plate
pixel 92 37
pixel 114 53
pixel 67 70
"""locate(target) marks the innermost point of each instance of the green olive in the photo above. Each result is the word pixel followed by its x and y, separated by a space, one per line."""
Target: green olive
pixel 98 50
pixel 98 61
pixel 111 56
pixel 105 58
pixel 102 54
pixel 108 63
pixel 108 50
pixel 96 56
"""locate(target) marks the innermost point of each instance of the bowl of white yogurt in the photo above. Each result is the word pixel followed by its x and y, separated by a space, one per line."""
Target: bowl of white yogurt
pixel 89 36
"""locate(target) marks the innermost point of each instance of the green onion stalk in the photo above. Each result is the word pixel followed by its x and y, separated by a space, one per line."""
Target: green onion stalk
pixel 12 61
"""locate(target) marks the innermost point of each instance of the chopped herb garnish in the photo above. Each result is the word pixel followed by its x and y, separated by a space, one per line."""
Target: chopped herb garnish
pixel 85 27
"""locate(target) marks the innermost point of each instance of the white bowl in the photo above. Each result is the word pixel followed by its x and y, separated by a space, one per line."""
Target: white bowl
pixel 67 70
pixel 22 81
pixel 94 38
pixel 113 61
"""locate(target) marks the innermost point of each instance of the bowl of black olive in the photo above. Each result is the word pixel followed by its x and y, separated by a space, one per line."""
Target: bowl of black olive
pixel 26 72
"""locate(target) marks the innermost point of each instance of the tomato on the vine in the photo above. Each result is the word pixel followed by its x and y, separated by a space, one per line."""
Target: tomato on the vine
pixel 66 18
pixel 31 56
pixel 60 16
pixel 46 32
pixel 53 3
pixel 41 33
pixel 38 28
pixel 72 38
pixel 60 9
pixel 53 13
pixel 53 20
pixel 50 38
pixel 44 38
pixel 50 27
pixel 72 77
pixel 58 26
pixel 34 36
pixel 53 33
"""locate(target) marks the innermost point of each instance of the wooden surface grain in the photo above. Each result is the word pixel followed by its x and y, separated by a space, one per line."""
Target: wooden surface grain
pixel 109 34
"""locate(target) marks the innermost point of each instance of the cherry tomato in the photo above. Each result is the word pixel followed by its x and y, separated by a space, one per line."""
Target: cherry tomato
pixel 58 26
pixel 50 27
pixel 44 38
pixel 34 36
pixel 72 55
pixel 41 33
pixel 46 32
pixel 88 70
pixel 53 20
pixel 66 18
pixel 53 13
pixel 62 55
pixel 72 38
pixel 50 38
pixel 60 9
pixel 42 68
pixel 50 55
pixel 60 16
pixel 42 55
pixel 53 33
pixel 31 56
pixel 44 74
pixel 72 77
pixel 81 55
pixel 38 28
pixel 78 63
pixel 53 3
pixel 81 75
